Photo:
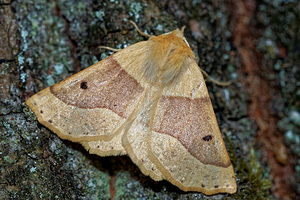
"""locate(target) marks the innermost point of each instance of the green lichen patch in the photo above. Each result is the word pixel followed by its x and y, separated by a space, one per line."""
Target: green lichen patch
pixel 252 178
pixel 37 164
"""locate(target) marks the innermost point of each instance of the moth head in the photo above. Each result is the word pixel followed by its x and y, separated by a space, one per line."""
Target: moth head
pixel 168 55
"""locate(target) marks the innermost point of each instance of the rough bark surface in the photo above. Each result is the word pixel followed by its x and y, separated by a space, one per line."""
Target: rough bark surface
pixel 253 44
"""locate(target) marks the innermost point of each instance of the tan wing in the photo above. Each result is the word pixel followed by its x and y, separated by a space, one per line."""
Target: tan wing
pixel 112 147
pixel 185 143
pixel 93 105
pixel 136 130
pixel 134 139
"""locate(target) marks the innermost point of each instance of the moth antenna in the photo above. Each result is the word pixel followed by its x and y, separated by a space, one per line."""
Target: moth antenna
pixel 139 31
pixel 109 48
pixel 219 83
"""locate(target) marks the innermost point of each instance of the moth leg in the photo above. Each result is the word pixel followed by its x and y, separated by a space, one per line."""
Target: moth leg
pixel 139 31
pixel 109 48
pixel 219 83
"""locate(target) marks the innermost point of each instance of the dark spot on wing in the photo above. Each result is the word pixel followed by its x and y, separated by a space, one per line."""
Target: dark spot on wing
pixel 83 85
pixel 207 138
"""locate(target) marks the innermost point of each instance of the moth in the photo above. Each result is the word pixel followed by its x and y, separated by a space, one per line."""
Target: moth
pixel 150 102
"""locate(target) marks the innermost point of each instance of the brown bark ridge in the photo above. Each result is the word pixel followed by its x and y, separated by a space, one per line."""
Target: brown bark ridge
pixel 281 162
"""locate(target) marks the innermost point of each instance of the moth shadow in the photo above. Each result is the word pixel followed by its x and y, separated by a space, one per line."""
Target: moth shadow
pixel 115 164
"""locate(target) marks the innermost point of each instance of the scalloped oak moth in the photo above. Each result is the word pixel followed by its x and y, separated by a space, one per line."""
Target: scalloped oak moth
pixel 148 101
